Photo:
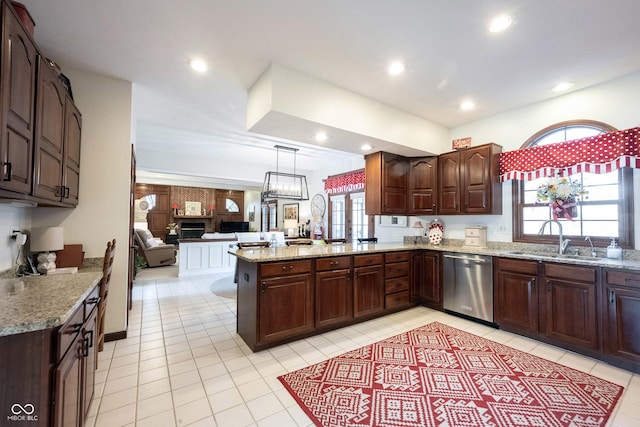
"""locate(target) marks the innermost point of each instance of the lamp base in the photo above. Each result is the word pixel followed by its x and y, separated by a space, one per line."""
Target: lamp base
pixel 46 262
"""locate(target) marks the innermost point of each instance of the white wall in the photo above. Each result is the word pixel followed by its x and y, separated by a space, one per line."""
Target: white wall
pixel 103 211
pixel 11 218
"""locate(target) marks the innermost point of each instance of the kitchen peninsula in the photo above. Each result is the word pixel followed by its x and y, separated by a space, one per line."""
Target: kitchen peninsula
pixel 288 293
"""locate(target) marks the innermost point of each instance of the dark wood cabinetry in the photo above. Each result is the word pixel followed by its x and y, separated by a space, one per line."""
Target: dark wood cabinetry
pixel 397 280
pixel 41 127
pixel 430 279
pixel 368 285
pixel 557 302
pixel 386 184
pixel 468 181
pixel 334 291
pixel 516 294
pixel 621 317
pixel 423 186
pixel 17 92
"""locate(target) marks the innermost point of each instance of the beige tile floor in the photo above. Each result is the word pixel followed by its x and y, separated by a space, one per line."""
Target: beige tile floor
pixel 182 363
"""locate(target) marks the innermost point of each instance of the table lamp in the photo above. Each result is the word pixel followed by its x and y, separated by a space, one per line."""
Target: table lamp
pixel 290 225
pixel 175 208
pixel 211 209
pixel 418 225
pixel 46 240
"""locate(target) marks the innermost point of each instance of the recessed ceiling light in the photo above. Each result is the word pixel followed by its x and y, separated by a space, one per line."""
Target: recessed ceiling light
pixel 561 87
pixel 366 147
pixel 396 67
pixel 500 23
pixel 467 105
pixel 198 65
pixel 320 137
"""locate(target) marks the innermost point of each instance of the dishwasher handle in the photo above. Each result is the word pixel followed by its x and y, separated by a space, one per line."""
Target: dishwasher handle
pixel 479 260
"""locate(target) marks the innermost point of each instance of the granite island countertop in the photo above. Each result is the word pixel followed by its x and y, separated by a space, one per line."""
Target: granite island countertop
pixel 286 253
pixel 33 303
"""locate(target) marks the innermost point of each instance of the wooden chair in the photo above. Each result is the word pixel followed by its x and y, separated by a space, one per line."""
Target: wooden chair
pixel 299 242
pixel 334 241
pixel 248 245
pixel 367 240
pixel 109 254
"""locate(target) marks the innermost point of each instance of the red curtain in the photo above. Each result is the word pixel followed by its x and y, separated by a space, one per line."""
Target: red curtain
pixel 351 181
pixel 596 154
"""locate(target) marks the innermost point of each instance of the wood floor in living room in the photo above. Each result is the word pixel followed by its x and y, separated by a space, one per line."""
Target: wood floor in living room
pixel 183 364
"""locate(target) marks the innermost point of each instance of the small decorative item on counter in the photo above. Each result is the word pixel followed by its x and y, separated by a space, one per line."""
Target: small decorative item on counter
pixel 613 250
pixel 172 228
pixel 211 209
pixel 562 195
pixel 435 231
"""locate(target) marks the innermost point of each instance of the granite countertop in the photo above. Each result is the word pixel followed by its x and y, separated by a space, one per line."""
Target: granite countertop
pixel 33 303
pixel 284 253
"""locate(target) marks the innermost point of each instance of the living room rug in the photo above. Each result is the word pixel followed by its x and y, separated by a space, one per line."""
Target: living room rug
pixel 437 375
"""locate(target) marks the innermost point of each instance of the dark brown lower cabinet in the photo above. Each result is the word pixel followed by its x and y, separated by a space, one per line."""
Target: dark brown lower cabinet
pixel 368 285
pixel 333 291
pixel 430 280
pixel 516 294
pixel 553 302
pixel 622 318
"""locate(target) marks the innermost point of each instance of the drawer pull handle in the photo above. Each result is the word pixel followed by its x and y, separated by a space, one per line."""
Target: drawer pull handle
pixel 8 170
pixel 549 285
pixel 533 282
pixel 94 300
pixel 630 280
pixel 85 348
pixel 76 328
pixel 263 288
pixel 612 297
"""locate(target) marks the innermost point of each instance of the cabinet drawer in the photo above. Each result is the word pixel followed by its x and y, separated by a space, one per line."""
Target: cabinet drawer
pixel 69 331
pixel 364 260
pixel 397 269
pixel 91 303
pixel 285 268
pixel 396 300
pixel 622 278
pixel 571 272
pixel 397 256
pixel 396 285
pixel 472 232
pixel 333 263
pixel 517 265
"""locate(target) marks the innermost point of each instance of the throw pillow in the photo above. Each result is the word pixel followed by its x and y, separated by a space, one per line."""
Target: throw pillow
pixel 152 243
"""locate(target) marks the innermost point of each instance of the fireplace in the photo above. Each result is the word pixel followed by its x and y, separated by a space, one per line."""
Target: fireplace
pixel 191 230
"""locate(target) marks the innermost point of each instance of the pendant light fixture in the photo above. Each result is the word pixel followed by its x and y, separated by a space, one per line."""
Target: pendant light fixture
pixel 282 185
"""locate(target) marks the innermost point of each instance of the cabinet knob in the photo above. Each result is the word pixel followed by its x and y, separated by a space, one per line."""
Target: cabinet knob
pixel 263 288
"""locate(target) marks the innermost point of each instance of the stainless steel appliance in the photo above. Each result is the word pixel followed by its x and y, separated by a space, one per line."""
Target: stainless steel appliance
pixel 468 285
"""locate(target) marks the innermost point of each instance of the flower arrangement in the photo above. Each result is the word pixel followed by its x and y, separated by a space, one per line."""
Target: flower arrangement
pixel 172 227
pixel 561 193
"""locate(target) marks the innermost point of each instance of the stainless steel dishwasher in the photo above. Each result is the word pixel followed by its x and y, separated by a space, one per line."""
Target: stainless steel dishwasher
pixel 468 285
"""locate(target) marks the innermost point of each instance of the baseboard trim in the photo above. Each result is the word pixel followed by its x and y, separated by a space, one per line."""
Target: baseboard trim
pixel 115 336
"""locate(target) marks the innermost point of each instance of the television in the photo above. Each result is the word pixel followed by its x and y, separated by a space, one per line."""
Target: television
pixel 233 226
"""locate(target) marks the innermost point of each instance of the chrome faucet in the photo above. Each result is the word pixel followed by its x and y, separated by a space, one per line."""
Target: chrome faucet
pixel 562 243
pixel 593 250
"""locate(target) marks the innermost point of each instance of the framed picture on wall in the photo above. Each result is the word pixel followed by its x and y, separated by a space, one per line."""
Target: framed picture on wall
pixel 290 211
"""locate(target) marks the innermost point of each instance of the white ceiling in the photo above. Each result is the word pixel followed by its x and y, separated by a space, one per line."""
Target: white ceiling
pixel 448 52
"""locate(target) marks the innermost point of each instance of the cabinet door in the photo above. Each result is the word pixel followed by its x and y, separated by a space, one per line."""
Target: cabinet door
pixel 17 91
pixel 368 290
pixel 68 388
pixel 423 189
pixel 476 180
pixel 516 295
pixel 571 312
pixel 71 165
pixel 286 307
pixel 431 285
pixel 449 183
pixel 334 297
pixel 49 145
pixel 89 360
pixel 622 334
pixel 394 192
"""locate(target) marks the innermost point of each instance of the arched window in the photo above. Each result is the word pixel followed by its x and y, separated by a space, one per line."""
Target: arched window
pixel 605 212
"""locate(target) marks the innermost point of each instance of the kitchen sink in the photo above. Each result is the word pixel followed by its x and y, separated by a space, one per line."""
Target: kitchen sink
pixel 550 255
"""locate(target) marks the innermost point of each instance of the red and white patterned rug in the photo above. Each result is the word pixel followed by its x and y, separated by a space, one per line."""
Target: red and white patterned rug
pixel 437 375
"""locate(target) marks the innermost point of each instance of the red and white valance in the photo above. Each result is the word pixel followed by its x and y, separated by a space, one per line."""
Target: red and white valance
pixel 345 183
pixel 596 154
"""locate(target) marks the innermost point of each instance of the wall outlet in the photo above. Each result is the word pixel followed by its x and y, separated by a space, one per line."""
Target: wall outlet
pixel 503 229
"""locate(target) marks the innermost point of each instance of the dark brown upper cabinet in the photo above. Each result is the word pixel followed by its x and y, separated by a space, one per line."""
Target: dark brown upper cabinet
pixel 386 184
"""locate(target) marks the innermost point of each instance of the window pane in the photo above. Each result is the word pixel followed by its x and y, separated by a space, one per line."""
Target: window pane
pixel 338 218
pixel 359 219
pixel 599 212
pixel 605 229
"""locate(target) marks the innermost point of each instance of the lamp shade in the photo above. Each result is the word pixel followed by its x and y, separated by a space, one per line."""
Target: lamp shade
pixel 47 239
pixel 418 224
pixel 174 206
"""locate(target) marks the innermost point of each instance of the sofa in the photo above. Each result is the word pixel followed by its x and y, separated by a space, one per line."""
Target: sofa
pixel 156 253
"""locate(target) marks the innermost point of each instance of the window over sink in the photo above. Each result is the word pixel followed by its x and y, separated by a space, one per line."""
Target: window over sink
pixel 605 212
